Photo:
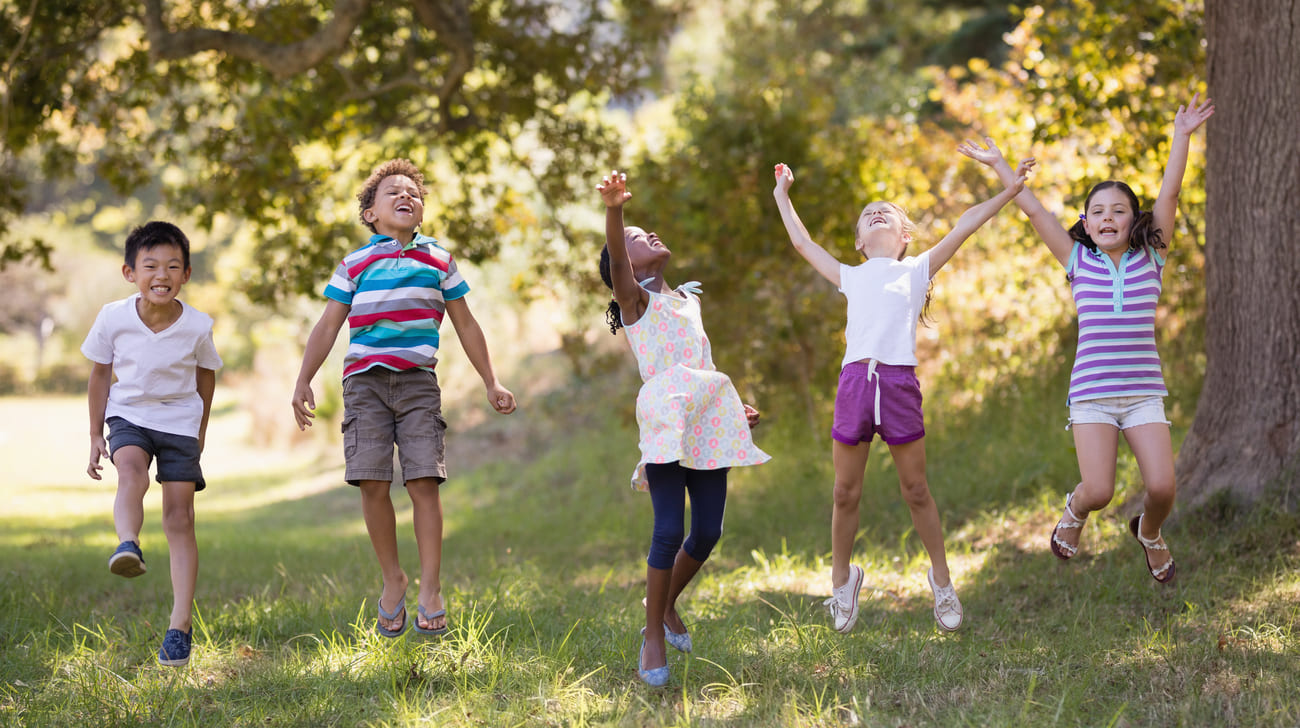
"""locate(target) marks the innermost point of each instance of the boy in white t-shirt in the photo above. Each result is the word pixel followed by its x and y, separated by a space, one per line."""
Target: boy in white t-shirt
pixel 162 353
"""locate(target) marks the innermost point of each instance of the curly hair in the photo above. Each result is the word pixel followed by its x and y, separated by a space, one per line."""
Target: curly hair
pixel 366 197
pixel 153 234
pixel 613 314
pixel 1141 235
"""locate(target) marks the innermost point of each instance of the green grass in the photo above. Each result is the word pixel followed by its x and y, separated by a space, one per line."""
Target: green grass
pixel 544 572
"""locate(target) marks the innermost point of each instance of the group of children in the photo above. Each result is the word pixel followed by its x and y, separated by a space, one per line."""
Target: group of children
pixel 394 292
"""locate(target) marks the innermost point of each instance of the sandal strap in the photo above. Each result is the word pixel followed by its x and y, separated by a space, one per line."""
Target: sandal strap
pixel 1155 544
pixel 1074 520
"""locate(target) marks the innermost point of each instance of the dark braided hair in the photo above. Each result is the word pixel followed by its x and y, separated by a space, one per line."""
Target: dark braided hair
pixel 1142 233
pixel 613 315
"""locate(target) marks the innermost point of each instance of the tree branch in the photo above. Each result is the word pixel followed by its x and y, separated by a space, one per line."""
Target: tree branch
pixel 450 21
pixel 282 60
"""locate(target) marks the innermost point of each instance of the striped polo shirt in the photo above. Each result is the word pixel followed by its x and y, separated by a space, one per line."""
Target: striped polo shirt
pixel 1117 324
pixel 397 296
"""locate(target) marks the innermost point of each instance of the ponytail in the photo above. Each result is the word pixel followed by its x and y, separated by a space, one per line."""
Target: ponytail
pixel 613 315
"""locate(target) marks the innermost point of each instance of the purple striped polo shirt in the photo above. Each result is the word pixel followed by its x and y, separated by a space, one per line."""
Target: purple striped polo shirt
pixel 1117 324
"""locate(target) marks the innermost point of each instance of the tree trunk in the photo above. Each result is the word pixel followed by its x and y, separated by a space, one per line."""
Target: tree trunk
pixel 1246 436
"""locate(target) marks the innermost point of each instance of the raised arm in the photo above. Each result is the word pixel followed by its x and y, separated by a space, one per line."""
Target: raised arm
pixel 972 219
pixel 1054 235
pixel 822 261
pixel 632 299
pixel 1187 120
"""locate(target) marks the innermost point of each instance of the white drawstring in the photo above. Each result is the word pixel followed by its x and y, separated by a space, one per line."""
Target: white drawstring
pixel 871 374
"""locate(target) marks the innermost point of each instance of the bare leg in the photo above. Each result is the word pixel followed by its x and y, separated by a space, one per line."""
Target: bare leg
pixel 1154 450
pixel 381 524
pixel 132 465
pixel 909 459
pixel 178 525
pixel 427 504
pixel 657 585
pixel 850 471
pixel 1097 446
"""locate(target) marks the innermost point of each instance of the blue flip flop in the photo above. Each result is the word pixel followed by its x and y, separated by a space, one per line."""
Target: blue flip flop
pixel 429 618
pixel 401 610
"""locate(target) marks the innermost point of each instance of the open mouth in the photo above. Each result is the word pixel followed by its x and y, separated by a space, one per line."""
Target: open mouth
pixel 161 290
pixel 404 207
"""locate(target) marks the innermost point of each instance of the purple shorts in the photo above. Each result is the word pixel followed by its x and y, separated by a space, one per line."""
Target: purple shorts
pixel 878 398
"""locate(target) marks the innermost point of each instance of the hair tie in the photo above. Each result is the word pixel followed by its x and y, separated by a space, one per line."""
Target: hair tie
pixel 1082 216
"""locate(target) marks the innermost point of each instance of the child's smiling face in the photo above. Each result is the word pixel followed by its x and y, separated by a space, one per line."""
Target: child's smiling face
pixel 1109 219
pixel 882 231
pixel 398 208
pixel 644 249
pixel 159 272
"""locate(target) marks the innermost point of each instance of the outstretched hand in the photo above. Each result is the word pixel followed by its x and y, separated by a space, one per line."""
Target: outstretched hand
pixel 784 178
pixel 1190 117
pixel 990 156
pixel 613 189
pixel 751 416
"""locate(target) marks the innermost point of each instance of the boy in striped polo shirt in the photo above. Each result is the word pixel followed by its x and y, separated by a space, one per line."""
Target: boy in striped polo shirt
pixel 393 293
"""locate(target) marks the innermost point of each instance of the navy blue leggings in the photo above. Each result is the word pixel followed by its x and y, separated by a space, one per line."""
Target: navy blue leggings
pixel 669 484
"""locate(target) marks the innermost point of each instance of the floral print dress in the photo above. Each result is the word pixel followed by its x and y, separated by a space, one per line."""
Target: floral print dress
pixel 687 410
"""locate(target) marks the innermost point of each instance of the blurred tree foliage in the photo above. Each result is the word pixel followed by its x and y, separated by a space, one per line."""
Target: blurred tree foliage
pixel 867 100
pixel 268 111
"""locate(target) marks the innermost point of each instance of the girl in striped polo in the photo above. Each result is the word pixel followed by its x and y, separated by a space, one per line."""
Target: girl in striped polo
pixel 1113 259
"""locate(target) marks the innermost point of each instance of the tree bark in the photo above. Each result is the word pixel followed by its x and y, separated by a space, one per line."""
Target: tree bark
pixel 1245 439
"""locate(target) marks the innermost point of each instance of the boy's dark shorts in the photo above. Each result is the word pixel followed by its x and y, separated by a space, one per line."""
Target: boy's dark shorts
pixel 383 408
pixel 177 455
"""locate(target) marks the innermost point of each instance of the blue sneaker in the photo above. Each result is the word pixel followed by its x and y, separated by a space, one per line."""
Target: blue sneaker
pixel 127 560
pixel 175 650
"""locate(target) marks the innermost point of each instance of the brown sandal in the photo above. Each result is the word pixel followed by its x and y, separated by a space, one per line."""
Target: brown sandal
pixel 1164 574
pixel 1069 520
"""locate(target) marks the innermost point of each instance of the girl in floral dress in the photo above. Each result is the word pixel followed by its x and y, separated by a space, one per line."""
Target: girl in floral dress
pixel 692 422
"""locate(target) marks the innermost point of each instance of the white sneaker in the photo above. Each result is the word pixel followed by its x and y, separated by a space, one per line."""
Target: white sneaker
pixel 844 600
pixel 947 608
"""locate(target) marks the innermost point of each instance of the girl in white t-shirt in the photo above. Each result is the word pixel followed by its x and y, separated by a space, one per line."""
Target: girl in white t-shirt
pixel 878 390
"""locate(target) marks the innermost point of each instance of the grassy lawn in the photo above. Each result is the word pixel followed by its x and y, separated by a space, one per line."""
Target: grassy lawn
pixel 544 572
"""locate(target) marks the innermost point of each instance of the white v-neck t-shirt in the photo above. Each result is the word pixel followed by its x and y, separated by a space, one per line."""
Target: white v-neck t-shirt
pixel 156 386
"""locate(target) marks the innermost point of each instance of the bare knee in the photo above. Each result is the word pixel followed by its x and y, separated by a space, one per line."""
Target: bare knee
pixel 1091 496
pixel 847 494
pixel 916 492
pixel 375 490
pixel 1161 490
pixel 178 518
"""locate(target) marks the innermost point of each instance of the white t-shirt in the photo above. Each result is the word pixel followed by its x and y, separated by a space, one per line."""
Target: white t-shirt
pixel 156 386
pixel 885 297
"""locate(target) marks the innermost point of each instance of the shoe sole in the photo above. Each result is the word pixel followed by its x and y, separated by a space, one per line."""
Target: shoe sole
pixel 174 663
pixel 126 564
pixel 853 610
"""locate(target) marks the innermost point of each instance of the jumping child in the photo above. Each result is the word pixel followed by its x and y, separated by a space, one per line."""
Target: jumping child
pixel 393 293
pixel 878 389
pixel 1114 265
pixel 693 425
pixel 161 351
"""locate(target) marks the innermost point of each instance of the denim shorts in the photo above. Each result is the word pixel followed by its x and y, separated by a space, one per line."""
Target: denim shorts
pixel 177 455
pixel 1120 412
pixel 383 408
pixel 876 398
